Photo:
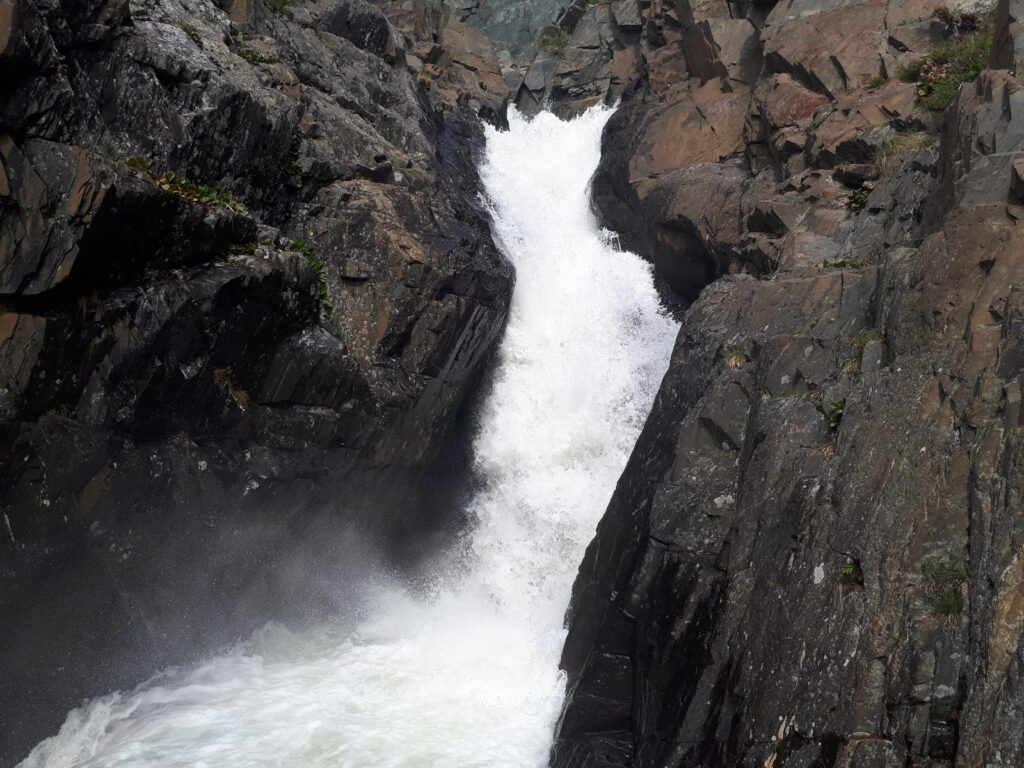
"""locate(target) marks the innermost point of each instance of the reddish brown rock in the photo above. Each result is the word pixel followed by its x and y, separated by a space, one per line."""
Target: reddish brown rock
pixel 787 102
pixel 830 51
pixel 712 117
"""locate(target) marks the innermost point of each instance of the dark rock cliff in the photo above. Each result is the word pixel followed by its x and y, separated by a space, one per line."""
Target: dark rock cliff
pixel 814 557
pixel 245 288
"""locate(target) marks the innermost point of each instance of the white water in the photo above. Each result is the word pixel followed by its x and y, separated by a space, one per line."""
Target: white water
pixel 467 677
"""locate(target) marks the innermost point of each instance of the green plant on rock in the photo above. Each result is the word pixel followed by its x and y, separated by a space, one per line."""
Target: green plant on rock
pixel 851 575
pixel 553 39
pixel 947 603
pixel 281 7
pixel 300 246
pixel 785 394
pixel 843 263
pixel 290 165
pixel 863 337
pixel 833 413
pixel 944 586
pixel 876 82
pixel 944 573
pixel 242 249
pixel 255 57
pixel 735 357
pixel 940 74
pixel 889 155
pixel 191 31
pixel 859 341
pixel 857 200
pixel 138 163
pixel 211 195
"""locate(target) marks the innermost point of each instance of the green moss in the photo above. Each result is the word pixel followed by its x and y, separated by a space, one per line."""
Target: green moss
pixel 553 39
pixel 300 246
pixel 876 82
pixel 940 74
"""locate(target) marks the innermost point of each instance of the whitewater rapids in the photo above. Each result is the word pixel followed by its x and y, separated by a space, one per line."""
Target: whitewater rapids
pixel 468 676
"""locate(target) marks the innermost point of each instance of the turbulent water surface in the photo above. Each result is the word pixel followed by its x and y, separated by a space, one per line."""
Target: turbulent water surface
pixel 467 676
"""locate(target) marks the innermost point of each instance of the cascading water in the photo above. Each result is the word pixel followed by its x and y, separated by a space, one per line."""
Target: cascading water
pixel 467 677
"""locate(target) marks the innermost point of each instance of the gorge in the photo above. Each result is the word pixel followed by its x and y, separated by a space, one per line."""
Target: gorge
pixel 468 674
pixel 320 363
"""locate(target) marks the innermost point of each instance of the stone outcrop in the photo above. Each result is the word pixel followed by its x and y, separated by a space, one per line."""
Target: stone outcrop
pixel 246 286
pixel 813 556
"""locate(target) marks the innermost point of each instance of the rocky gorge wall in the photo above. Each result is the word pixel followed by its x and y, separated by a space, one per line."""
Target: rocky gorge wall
pixel 814 555
pixel 246 287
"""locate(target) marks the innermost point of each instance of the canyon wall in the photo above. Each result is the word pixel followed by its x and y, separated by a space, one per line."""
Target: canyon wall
pixel 246 287
pixel 814 557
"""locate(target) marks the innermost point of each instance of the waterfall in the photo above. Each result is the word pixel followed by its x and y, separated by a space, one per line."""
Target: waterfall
pixel 466 676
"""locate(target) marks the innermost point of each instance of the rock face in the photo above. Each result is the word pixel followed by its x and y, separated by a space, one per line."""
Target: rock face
pixel 245 288
pixel 814 557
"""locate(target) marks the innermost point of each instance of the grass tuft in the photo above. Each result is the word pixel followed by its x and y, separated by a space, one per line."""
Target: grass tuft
pixel 735 357
pixel 945 586
pixel 889 155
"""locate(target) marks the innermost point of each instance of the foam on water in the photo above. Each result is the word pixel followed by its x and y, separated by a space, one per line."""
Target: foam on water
pixel 467 677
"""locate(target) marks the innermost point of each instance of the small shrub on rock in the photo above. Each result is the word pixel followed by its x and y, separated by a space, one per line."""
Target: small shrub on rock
pixel 212 195
pixel 940 74
pixel 857 199
pixel 300 246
